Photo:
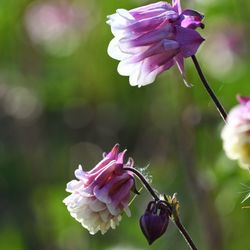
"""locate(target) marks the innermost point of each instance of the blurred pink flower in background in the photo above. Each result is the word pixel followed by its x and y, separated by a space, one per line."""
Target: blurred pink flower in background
pixel 19 102
pixel 228 39
pixel 236 133
pixel 57 25
pixel 101 195
pixel 150 39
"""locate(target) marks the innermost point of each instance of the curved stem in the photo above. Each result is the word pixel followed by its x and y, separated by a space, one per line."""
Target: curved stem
pixel 174 215
pixel 143 180
pixel 216 101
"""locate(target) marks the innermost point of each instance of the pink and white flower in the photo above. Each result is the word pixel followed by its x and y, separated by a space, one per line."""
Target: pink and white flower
pixel 236 133
pixel 150 39
pixel 100 196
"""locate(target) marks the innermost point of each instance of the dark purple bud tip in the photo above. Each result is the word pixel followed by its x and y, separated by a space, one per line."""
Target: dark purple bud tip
pixel 155 220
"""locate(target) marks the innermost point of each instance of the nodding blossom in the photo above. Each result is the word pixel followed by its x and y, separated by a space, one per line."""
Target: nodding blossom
pixel 150 39
pixel 154 221
pixel 236 133
pixel 100 196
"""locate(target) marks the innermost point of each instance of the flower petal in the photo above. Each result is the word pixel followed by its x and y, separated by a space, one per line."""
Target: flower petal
pixel 191 19
pixel 189 40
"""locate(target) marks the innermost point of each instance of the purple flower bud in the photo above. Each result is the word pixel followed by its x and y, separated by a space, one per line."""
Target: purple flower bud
pixel 155 220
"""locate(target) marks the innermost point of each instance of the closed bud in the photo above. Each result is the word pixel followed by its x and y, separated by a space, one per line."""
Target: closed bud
pixel 155 220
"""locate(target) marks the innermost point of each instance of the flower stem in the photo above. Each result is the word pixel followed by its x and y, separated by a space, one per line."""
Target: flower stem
pixel 174 216
pixel 216 101
pixel 143 180
pixel 184 232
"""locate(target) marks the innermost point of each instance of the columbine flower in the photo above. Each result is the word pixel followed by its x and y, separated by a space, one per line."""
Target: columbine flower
pixel 101 195
pixel 236 133
pixel 155 221
pixel 149 40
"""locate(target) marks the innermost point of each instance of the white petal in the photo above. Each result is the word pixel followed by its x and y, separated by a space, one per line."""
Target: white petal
pixel 119 22
pixel 73 186
pixel 97 206
pixel 68 199
pixel 105 215
pixel 79 173
pixel 126 68
pixel 120 19
pixel 124 13
pixel 114 50
pixel 113 210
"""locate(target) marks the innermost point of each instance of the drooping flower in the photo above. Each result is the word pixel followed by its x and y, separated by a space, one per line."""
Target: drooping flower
pixel 150 39
pixel 236 133
pixel 155 221
pixel 101 195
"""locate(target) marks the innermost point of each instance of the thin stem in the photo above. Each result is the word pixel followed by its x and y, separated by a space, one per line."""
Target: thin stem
pixel 184 233
pixel 175 216
pixel 143 180
pixel 216 101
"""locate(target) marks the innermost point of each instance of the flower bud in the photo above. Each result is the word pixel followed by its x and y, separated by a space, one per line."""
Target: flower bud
pixel 155 220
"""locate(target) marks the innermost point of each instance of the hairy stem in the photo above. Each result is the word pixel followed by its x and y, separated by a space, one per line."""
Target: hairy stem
pixel 144 181
pixel 211 93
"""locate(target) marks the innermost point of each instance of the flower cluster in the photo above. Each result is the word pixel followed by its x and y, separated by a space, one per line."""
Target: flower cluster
pixel 150 39
pixel 236 133
pixel 147 41
pixel 101 195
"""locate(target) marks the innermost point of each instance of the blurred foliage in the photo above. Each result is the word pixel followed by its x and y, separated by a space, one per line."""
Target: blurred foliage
pixel 62 103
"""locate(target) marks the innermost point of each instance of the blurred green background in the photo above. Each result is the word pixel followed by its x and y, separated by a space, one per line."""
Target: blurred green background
pixel 62 103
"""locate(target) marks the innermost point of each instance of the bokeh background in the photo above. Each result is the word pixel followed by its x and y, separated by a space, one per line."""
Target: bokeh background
pixel 62 103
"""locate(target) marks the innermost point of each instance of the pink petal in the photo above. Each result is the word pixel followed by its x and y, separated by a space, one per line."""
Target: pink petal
pixel 243 99
pixel 151 67
pixel 179 60
pixel 189 40
pixel 150 10
pixel 112 155
pixel 150 37
pixel 103 193
pixel 147 24
pixel 164 46
pixel 102 177
pixel 191 19
pixel 176 5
